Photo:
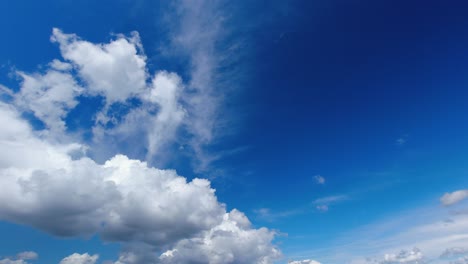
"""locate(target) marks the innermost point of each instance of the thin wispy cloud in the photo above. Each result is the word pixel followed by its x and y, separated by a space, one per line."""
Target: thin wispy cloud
pixel 319 179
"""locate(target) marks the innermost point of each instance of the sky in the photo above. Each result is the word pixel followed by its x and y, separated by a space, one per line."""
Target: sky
pixel 213 131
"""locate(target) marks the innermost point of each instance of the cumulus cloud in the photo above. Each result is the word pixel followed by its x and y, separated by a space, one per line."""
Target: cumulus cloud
pixel 76 258
pixel 454 197
pixel 115 70
pixel 305 261
pixel 232 241
pixel 50 180
pixel 122 200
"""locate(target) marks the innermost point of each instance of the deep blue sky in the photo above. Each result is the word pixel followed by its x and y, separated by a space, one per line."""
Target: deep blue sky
pixel 371 95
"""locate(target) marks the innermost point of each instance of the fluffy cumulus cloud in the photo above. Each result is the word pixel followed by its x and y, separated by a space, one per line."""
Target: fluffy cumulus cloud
pixel 454 197
pixel 51 183
pixel 231 241
pixel 80 259
pixel 115 70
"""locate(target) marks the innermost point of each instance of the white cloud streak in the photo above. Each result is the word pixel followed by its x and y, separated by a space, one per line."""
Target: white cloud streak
pixel 454 197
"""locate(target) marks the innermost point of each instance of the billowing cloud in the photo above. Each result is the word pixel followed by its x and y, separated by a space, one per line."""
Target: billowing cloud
pixel 454 197
pixel 232 241
pixel 454 251
pixel 56 188
pixel 80 259
pixel 116 70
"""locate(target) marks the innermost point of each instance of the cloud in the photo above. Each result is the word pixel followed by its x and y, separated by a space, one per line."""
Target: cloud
pixel 10 261
pixel 76 258
pixel 323 204
pixel 454 251
pixel 27 255
pixel 322 208
pixel 122 200
pixel 454 197
pixel 305 261
pixel 319 179
pixel 269 215
pixel 413 256
pixel 49 97
pixel 21 258
pixel 117 73
pixel 198 29
pixel 116 70
pixel 461 260
pixel 330 199
pixel 231 241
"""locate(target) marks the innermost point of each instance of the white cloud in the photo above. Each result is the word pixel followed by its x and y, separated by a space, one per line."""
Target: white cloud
pixel 330 199
pixel 305 261
pixel 413 256
pixel 232 241
pixel 21 258
pixel 319 179
pixel 454 251
pixel 454 197
pixel 10 261
pixel 322 207
pixel 27 255
pixel 196 29
pixel 122 200
pixel 49 97
pixel 76 258
pixel 116 70
pixel 323 204
pixel 60 65
pixel 165 91
pixel 461 260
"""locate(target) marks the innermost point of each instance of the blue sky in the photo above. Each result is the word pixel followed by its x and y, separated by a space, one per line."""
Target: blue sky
pixel 233 132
